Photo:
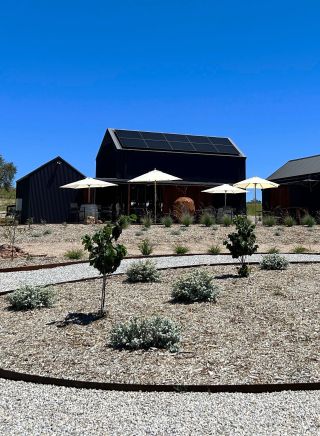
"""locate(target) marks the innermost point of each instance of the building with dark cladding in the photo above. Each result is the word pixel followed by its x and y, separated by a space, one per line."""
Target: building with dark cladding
pixel 299 188
pixel 200 161
pixel 38 194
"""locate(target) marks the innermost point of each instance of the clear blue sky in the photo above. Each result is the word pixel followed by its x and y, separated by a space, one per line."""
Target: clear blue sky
pixel 245 69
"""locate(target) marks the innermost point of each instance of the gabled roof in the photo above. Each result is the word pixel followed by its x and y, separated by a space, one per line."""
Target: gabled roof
pixel 173 142
pixel 298 167
pixel 57 159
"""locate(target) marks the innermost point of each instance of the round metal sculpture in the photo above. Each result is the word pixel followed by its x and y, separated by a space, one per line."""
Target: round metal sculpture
pixel 183 205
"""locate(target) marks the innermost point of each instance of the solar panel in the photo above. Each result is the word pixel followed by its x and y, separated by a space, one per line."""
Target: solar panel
pixel 176 137
pixel 133 143
pixel 158 145
pixel 181 146
pixel 204 148
pixel 226 149
pixel 175 142
pixel 199 139
pixel 128 134
pixel 153 135
pixel 221 141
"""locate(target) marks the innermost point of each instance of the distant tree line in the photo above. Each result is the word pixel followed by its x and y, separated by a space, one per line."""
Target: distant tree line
pixel 7 172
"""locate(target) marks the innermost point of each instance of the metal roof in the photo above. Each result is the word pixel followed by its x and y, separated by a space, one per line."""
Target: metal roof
pixel 297 167
pixel 173 142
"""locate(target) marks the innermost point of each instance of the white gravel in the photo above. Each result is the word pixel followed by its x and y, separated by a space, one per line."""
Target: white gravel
pixel 13 280
pixel 29 409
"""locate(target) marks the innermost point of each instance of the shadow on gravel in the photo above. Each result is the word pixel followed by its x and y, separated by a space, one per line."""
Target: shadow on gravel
pixel 227 276
pixel 77 318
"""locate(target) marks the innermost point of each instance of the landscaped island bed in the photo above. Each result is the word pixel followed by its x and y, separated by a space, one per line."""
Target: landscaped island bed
pixel 52 241
pixel 262 329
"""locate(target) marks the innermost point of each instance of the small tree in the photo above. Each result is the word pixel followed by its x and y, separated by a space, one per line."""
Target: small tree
pixel 242 243
pixel 7 173
pixel 104 254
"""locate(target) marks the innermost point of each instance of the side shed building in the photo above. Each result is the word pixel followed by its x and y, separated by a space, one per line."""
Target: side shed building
pixel 299 188
pixel 38 194
pixel 200 161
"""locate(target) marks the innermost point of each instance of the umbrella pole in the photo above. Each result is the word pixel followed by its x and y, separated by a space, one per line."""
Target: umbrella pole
pixel 89 195
pixel 255 203
pixel 225 200
pixel 155 202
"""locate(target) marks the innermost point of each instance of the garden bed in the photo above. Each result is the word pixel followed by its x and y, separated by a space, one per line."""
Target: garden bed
pixel 49 243
pixel 263 329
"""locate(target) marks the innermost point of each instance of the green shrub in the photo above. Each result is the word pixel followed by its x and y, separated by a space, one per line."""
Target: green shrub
pixel 167 221
pixel 138 233
pixel 133 218
pixel 269 221
pixel 274 262
pixel 241 243
pixel 74 254
pixel 215 228
pixel 299 249
pixel 155 332
pixel 289 221
pixel 145 247
pixel 273 250
pixel 197 286
pixel 214 249
pixel 180 249
pixel 143 271
pixel 124 221
pixel 226 220
pixel 308 220
pixel 36 235
pixel 146 221
pixel 207 219
pixel 47 232
pixel 31 297
pixel 186 219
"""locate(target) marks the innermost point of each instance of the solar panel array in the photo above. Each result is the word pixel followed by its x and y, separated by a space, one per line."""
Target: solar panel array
pixel 132 139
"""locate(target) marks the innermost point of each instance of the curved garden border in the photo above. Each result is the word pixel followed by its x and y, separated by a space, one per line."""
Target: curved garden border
pixel 138 257
pixel 80 384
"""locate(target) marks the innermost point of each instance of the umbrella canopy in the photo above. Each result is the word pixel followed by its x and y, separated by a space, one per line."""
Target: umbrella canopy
pixel 88 183
pixel 154 177
pixel 256 182
pixel 225 189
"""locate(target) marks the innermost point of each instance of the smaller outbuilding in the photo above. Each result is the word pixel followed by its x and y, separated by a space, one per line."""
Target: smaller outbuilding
pixel 38 194
pixel 299 190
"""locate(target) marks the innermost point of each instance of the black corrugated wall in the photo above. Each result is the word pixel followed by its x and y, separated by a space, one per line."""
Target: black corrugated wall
pixel 42 197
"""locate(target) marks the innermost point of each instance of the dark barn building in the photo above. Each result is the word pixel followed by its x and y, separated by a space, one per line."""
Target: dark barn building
pixel 299 189
pixel 38 194
pixel 200 161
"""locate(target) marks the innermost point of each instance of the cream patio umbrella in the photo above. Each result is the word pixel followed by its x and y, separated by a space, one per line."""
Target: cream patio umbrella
pixel 88 183
pixel 154 177
pixel 225 189
pixel 254 183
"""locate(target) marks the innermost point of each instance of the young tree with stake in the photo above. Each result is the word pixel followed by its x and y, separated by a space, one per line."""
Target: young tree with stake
pixel 104 254
pixel 241 243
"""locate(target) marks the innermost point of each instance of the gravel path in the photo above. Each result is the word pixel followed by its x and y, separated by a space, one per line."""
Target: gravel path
pixel 13 280
pixel 28 409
